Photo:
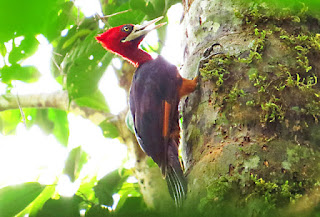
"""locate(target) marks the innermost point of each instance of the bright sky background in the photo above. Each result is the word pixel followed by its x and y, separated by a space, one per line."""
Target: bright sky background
pixel 31 155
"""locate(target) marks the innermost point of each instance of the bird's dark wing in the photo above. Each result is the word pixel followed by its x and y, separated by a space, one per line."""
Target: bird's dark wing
pixel 153 104
pixel 154 98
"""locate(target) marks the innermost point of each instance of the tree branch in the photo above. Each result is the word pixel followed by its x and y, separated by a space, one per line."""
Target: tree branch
pixel 58 100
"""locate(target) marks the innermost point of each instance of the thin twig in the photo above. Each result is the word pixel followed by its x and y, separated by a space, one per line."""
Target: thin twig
pixel 111 15
pixel 78 18
pixel 56 64
pixel 21 111
pixel 55 53
pixel 20 108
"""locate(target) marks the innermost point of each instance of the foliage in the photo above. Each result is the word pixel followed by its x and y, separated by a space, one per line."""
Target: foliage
pixel 13 199
pixel 78 63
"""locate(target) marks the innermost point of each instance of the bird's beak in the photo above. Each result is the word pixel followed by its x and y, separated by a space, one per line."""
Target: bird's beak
pixel 141 30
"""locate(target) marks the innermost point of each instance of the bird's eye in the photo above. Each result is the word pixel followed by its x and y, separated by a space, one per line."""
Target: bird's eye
pixel 126 28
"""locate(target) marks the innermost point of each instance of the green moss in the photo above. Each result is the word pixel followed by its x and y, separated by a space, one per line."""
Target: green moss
pixel 217 69
pixel 263 177
pixel 274 193
pixel 252 163
pixel 280 65
pixel 216 192
pixel 234 94
pixel 263 197
pixel 257 195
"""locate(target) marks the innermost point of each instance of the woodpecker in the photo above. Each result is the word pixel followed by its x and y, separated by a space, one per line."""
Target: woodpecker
pixel 155 92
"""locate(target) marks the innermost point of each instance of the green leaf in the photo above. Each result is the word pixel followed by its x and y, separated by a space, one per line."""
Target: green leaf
pixel 131 189
pixel 169 3
pixel 160 6
pixel 9 120
pixel 3 49
pixel 84 66
pixel 63 207
pixel 127 190
pixel 63 15
pixel 50 120
pixel 143 6
pixel 42 120
pixel 129 121
pixel 109 185
pixel 21 17
pixel 17 72
pixel 27 48
pixel 96 101
pixel 97 211
pixel 86 187
pixel 66 45
pixel 109 129
pixel 30 115
pixel 132 206
pixel 133 16
pixel 60 122
pixel 79 34
pixel 76 159
pixel 38 203
pixel 13 199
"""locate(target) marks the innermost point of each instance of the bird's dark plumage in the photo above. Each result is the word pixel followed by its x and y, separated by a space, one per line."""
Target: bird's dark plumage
pixel 155 83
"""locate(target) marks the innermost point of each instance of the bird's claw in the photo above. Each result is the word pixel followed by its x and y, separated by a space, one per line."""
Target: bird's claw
pixel 206 56
pixel 208 51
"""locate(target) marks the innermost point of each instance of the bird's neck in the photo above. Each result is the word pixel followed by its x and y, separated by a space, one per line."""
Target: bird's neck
pixel 137 57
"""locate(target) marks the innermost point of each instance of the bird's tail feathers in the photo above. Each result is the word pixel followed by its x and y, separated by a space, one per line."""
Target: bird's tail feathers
pixel 176 181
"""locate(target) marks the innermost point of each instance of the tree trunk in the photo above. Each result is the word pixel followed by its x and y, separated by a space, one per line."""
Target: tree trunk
pixel 250 131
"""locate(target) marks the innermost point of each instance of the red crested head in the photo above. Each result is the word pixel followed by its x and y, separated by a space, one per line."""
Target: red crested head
pixel 125 39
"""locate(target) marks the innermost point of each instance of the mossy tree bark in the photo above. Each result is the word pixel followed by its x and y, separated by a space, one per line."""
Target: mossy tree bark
pixel 251 131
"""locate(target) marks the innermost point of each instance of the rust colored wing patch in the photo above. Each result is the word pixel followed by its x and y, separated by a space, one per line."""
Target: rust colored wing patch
pixel 187 86
pixel 166 117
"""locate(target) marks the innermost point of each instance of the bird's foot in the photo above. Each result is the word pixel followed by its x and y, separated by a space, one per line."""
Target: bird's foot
pixel 207 52
pixel 207 55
